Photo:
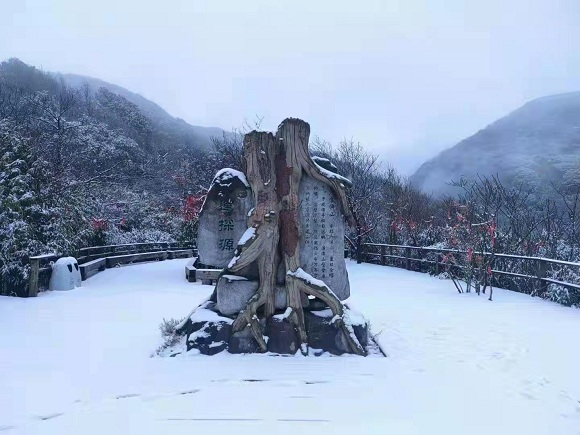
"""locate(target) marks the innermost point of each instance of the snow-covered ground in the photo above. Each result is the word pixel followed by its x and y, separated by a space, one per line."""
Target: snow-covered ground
pixel 79 362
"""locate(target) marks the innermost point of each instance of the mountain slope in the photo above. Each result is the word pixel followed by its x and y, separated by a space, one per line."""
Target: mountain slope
pixel 189 135
pixel 536 144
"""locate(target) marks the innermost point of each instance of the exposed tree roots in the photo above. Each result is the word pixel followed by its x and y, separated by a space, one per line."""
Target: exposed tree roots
pixel 274 168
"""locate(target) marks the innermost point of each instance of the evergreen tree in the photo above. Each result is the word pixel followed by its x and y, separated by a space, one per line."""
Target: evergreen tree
pixel 26 224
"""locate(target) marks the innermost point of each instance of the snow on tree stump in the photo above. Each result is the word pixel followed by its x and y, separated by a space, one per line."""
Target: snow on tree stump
pixel 282 288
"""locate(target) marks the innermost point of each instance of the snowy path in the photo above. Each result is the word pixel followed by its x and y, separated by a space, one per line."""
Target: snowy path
pixel 78 362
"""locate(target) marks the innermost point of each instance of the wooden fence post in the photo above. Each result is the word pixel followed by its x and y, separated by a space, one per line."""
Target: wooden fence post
pixel 408 258
pixel 383 259
pixel 437 265
pixel 541 272
pixel 33 278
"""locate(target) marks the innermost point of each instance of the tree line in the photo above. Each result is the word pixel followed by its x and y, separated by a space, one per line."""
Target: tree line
pixel 83 166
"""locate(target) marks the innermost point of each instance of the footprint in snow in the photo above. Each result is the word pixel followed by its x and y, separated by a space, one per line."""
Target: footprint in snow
pixel 154 397
pixel 302 420
pixel 527 395
pixel 50 416
pixel 183 393
pixel 3 428
pixel 127 396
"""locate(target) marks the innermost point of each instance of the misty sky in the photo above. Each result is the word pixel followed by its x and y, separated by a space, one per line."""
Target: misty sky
pixel 406 78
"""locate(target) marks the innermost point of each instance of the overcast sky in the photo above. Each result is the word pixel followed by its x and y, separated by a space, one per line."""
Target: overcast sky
pixel 406 78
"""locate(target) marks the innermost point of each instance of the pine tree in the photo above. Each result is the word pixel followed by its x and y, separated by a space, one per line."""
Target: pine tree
pixel 22 216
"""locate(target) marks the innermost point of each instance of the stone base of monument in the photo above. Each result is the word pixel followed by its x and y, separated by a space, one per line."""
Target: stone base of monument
pixel 232 293
pixel 208 331
pixel 277 231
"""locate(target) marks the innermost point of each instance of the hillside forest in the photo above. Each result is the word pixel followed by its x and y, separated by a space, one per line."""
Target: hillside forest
pixel 81 165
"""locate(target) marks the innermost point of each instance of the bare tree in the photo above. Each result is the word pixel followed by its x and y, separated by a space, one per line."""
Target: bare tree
pixel 570 198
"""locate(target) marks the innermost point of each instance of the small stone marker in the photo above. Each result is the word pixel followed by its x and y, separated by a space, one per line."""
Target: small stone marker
pixel 322 242
pixel 223 218
pixel 233 293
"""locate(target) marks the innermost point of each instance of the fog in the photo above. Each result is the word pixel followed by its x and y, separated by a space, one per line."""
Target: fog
pixel 405 78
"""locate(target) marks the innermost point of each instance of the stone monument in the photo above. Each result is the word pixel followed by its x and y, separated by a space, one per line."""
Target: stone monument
pixel 282 287
pixel 223 217
pixel 322 239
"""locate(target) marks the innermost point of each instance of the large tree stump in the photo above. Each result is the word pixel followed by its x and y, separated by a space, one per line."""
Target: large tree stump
pixel 293 160
pixel 274 166
pixel 260 151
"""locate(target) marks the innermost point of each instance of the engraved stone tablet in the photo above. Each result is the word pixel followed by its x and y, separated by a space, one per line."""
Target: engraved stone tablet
pixel 223 218
pixel 322 238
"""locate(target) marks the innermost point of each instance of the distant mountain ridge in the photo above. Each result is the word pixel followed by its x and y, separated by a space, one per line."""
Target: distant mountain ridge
pixel 534 145
pixel 189 135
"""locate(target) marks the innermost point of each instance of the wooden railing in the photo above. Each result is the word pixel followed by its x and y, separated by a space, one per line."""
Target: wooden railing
pixel 40 266
pixel 91 253
pixel 525 274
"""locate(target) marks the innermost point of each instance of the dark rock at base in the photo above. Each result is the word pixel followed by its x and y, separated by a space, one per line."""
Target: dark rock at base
pixel 210 333
pixel 323 335
pixel 243 342
pixel 362 333
pixel 316 304
pixel 282 337
pixel 213 297
pixel 209 337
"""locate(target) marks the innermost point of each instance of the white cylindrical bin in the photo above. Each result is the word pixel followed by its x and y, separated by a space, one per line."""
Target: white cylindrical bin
pixel 66 274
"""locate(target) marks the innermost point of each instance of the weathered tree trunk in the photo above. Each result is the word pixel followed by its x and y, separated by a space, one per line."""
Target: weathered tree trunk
pixel 274 168
pixel 260 150
pixel 294 159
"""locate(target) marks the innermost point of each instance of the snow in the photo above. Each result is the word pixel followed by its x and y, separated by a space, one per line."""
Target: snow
pixel 286 314
pixel 249 234
pixel 204 315
pixel 233 261
pixel 323 313
pixel 325 161
pixel 79 362
pixel 44 256
pixel 329 174
pixel 305 276
pixel 234 278
pixel 226 174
